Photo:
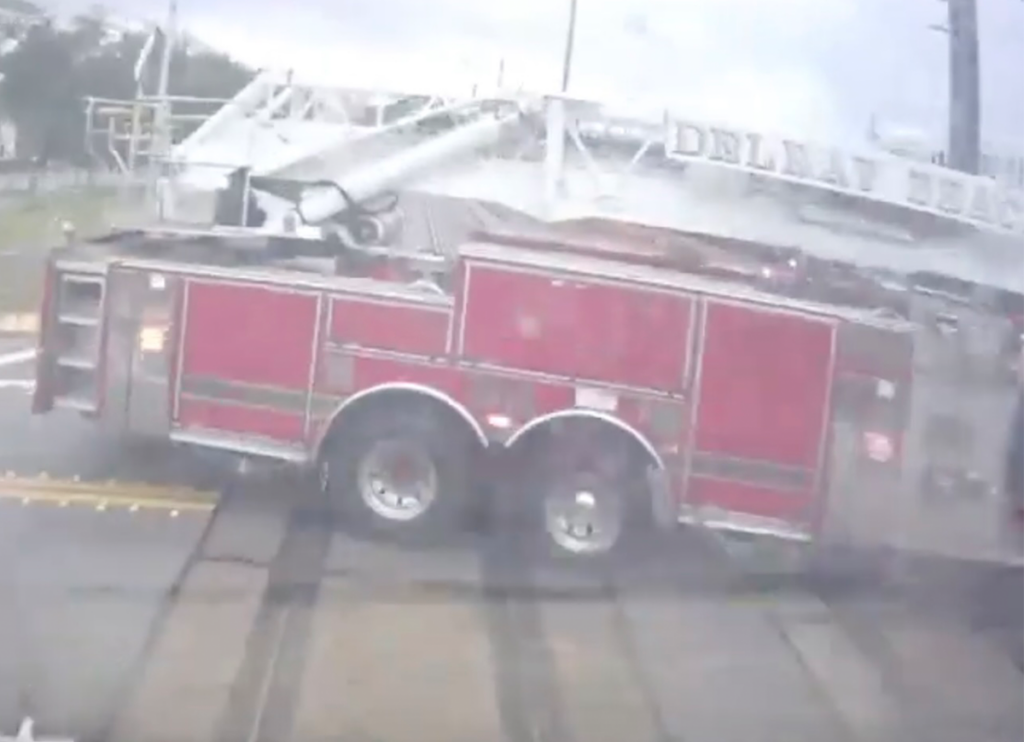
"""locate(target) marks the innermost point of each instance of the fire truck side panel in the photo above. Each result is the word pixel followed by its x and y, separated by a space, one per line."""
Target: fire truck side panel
pixel 632 336
pixel 343 372
pixel 761 411
pixel 574 326
pixel 231 417
pixel 403 328
pixel 517 320
pixel 246 356
pixel 346 372
pixel 515 399
pixel 764 384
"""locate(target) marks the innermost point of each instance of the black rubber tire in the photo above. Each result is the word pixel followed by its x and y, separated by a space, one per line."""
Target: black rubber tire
pixel 452 456
pixel 636 531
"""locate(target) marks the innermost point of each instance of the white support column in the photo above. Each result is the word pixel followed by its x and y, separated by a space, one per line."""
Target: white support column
pixel 554 154
pixel 26 734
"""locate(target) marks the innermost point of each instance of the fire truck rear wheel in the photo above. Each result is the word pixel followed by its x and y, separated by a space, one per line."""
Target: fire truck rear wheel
pixel 399 476
pixel 585 517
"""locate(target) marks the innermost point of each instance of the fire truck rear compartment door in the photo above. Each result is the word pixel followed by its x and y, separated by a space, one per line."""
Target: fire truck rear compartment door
pixel 246 359
pixel 576 327
pixel 139 355
pixel 761 412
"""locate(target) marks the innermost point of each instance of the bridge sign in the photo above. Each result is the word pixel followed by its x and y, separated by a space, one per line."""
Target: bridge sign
pixel 882 177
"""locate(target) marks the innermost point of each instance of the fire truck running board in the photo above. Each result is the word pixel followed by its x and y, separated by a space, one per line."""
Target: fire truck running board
pixel 721 523
pixel 245 445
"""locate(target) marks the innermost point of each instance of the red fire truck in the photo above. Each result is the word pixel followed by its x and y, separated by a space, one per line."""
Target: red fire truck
pixel 614 378
pixel 613 392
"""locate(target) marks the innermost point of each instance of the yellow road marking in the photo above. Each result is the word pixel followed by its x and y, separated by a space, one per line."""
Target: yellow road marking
pixel 109 494
pixel 103 502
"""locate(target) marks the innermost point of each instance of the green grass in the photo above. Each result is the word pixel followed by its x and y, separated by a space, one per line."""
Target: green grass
pixel 30 227
pixel 35 222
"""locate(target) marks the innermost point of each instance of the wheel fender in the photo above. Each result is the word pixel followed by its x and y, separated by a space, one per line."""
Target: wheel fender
pixel 657 479
pixel 585 414
pixel 390 390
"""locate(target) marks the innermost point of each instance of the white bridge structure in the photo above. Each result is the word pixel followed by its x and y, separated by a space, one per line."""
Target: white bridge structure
pixel 310 155
pixel 26 733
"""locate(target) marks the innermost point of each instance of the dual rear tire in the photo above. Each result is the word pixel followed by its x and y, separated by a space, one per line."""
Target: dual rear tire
pixel 409 477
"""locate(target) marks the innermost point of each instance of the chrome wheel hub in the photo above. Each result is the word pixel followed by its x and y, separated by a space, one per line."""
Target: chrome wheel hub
pixel 397 480
pixel 583 521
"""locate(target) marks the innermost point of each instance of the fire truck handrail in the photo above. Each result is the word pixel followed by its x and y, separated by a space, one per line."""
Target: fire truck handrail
pixel 294 279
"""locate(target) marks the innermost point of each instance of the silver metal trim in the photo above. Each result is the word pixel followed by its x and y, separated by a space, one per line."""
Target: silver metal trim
pixel 179 370
pixel 592 414
pixel 820 498
pixel 314 366
pixel 691 346
pixel 294 280
pixel 464 413
pixel 464 299
pixel 694 396
pixel 250 445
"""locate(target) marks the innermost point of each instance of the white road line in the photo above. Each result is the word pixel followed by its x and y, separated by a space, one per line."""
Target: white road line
pixel 18 356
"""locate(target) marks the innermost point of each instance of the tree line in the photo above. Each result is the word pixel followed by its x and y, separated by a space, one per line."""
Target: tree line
pixel 49 68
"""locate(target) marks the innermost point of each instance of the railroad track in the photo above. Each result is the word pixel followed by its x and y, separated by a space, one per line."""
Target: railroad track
pixel 528 694
pixel 265 691
pixel 301 639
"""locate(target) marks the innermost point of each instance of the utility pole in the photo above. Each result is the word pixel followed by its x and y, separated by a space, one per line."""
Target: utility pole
pixel 161 142
pixel 570 41
pixel 163 111
pixel 964 86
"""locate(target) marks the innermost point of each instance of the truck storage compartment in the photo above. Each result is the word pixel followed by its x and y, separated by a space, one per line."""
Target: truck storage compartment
pixel 761 412
pixel 246 359
pixel 576 326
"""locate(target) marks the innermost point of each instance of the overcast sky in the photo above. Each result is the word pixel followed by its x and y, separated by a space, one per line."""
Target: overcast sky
pixel 811 68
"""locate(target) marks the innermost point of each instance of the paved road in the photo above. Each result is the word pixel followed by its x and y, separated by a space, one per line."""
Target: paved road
pixel 289 630
pixel 81 588
pixel 83 578
pixel 61 444
pixel 286 629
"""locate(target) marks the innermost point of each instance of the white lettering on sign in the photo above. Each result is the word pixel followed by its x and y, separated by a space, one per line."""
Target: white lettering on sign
pixel 919 186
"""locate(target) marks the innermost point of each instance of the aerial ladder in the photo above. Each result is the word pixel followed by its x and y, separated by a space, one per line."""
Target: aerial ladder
pixel 319 164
